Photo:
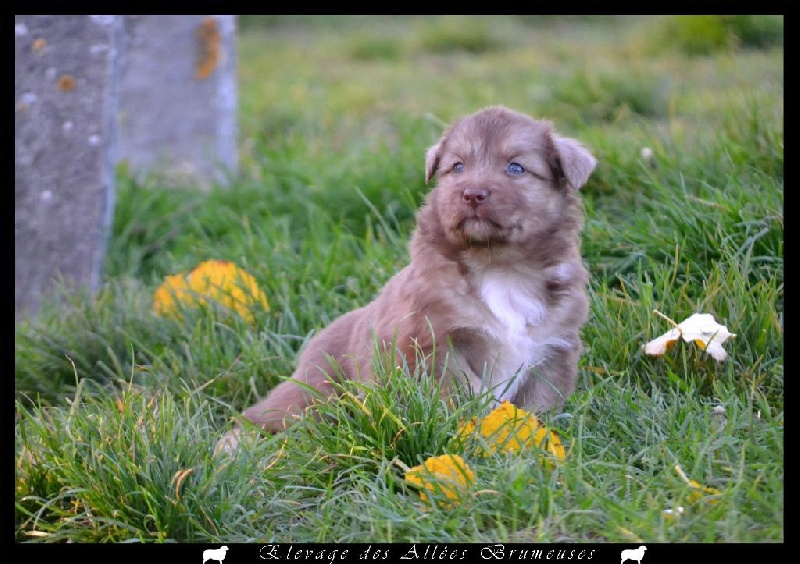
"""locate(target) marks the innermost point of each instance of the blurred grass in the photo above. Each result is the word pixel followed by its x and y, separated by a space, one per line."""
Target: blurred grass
pixel 336 113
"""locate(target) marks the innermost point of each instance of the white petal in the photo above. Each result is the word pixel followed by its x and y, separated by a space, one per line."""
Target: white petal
pixel 658 346
pixel 716 351
pixel 703 327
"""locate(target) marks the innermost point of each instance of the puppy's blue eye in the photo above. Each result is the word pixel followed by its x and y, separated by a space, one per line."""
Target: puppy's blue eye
pixel 459 168
pixel 515 168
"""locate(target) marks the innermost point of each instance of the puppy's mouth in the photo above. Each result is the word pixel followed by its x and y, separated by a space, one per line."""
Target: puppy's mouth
pixel 480 228
pixel 475 221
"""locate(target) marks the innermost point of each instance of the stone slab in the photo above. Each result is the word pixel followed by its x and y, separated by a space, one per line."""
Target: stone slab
pixel 66 76
pixel 178 98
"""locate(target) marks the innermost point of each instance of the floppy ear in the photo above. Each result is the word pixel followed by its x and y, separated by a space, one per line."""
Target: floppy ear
pixel 576 162
pixel 432 161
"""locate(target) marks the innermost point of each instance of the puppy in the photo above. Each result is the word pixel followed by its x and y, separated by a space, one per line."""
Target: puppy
pixel 495 279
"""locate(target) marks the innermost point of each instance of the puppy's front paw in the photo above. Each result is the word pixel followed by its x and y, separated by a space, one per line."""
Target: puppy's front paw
pixel 228 444
pixel 234 440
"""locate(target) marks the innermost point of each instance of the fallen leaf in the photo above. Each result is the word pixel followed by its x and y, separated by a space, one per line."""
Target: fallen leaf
pixel 447 476
pixel 506 429
pixel 700 329
pixel 218 281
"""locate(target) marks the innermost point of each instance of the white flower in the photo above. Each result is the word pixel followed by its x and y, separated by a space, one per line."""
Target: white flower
pixel 700 328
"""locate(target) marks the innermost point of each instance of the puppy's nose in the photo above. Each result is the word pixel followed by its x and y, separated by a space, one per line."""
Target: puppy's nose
pixel 474 196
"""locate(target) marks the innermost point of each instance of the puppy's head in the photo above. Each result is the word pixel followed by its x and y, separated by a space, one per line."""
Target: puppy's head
pixel 504 178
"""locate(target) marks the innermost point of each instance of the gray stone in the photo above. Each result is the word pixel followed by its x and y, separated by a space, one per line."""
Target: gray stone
pixel 178 98
pixel 65 116
pixel 157 93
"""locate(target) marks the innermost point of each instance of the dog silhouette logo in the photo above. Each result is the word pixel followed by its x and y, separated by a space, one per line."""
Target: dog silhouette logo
pixel 633 554
pixel 218 554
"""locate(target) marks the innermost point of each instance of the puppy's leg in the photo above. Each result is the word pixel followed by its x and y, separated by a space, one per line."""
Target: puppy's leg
pixel 457 377
pixel 550 383
pixel 285 404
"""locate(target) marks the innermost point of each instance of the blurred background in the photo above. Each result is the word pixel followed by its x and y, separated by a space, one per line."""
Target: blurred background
pixel 336 88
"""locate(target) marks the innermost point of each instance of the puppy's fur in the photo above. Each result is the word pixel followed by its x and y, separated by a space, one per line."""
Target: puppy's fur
pixel 495 275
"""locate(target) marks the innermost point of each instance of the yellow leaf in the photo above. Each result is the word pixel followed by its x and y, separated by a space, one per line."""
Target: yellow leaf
pixel 508 428
pixel 218 281
pixel 445 477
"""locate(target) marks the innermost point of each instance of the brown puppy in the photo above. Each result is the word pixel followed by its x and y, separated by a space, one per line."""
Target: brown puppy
pixel 495 273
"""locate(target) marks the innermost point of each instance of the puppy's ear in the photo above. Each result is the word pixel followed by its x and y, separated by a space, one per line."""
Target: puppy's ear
pixel 432 161
pixel 576 162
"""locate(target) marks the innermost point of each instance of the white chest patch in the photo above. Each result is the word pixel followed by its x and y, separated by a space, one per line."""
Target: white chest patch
pixel 513 307
pixel 517 314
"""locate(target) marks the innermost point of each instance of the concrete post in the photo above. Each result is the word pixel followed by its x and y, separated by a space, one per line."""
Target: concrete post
pixel 178 98
pixel 66 75
pixel 157 93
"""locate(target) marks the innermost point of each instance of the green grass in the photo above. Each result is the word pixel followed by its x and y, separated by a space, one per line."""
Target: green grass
pixel 118 410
